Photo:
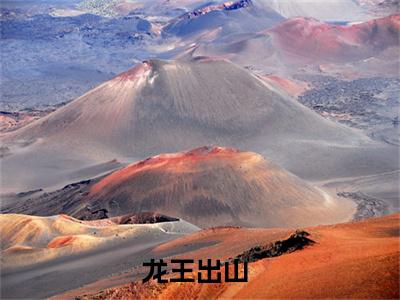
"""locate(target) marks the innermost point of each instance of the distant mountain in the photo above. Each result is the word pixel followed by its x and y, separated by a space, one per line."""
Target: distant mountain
pixel 305 40
pixel 332 10
pixel 227 18
pixel 299 42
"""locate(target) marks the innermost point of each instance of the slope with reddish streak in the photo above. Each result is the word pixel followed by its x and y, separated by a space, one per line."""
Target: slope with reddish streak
pixel 61 241
pixel 172 162
pixel 293 88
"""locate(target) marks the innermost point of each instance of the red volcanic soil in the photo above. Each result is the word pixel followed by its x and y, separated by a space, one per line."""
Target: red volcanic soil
pixel 351 260
pixel 61 241
pixel 315 40
pixel 294 88
pixel 168 162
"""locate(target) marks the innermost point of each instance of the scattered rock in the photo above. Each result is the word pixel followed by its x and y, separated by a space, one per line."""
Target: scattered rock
pixel 296 241
pixel 367 206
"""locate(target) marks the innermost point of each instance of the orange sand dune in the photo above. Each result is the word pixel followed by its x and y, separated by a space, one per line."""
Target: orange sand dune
pixel 351 260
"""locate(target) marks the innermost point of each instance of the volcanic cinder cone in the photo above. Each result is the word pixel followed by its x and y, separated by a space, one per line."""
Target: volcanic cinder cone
pixel 160 107
pixel 207 186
